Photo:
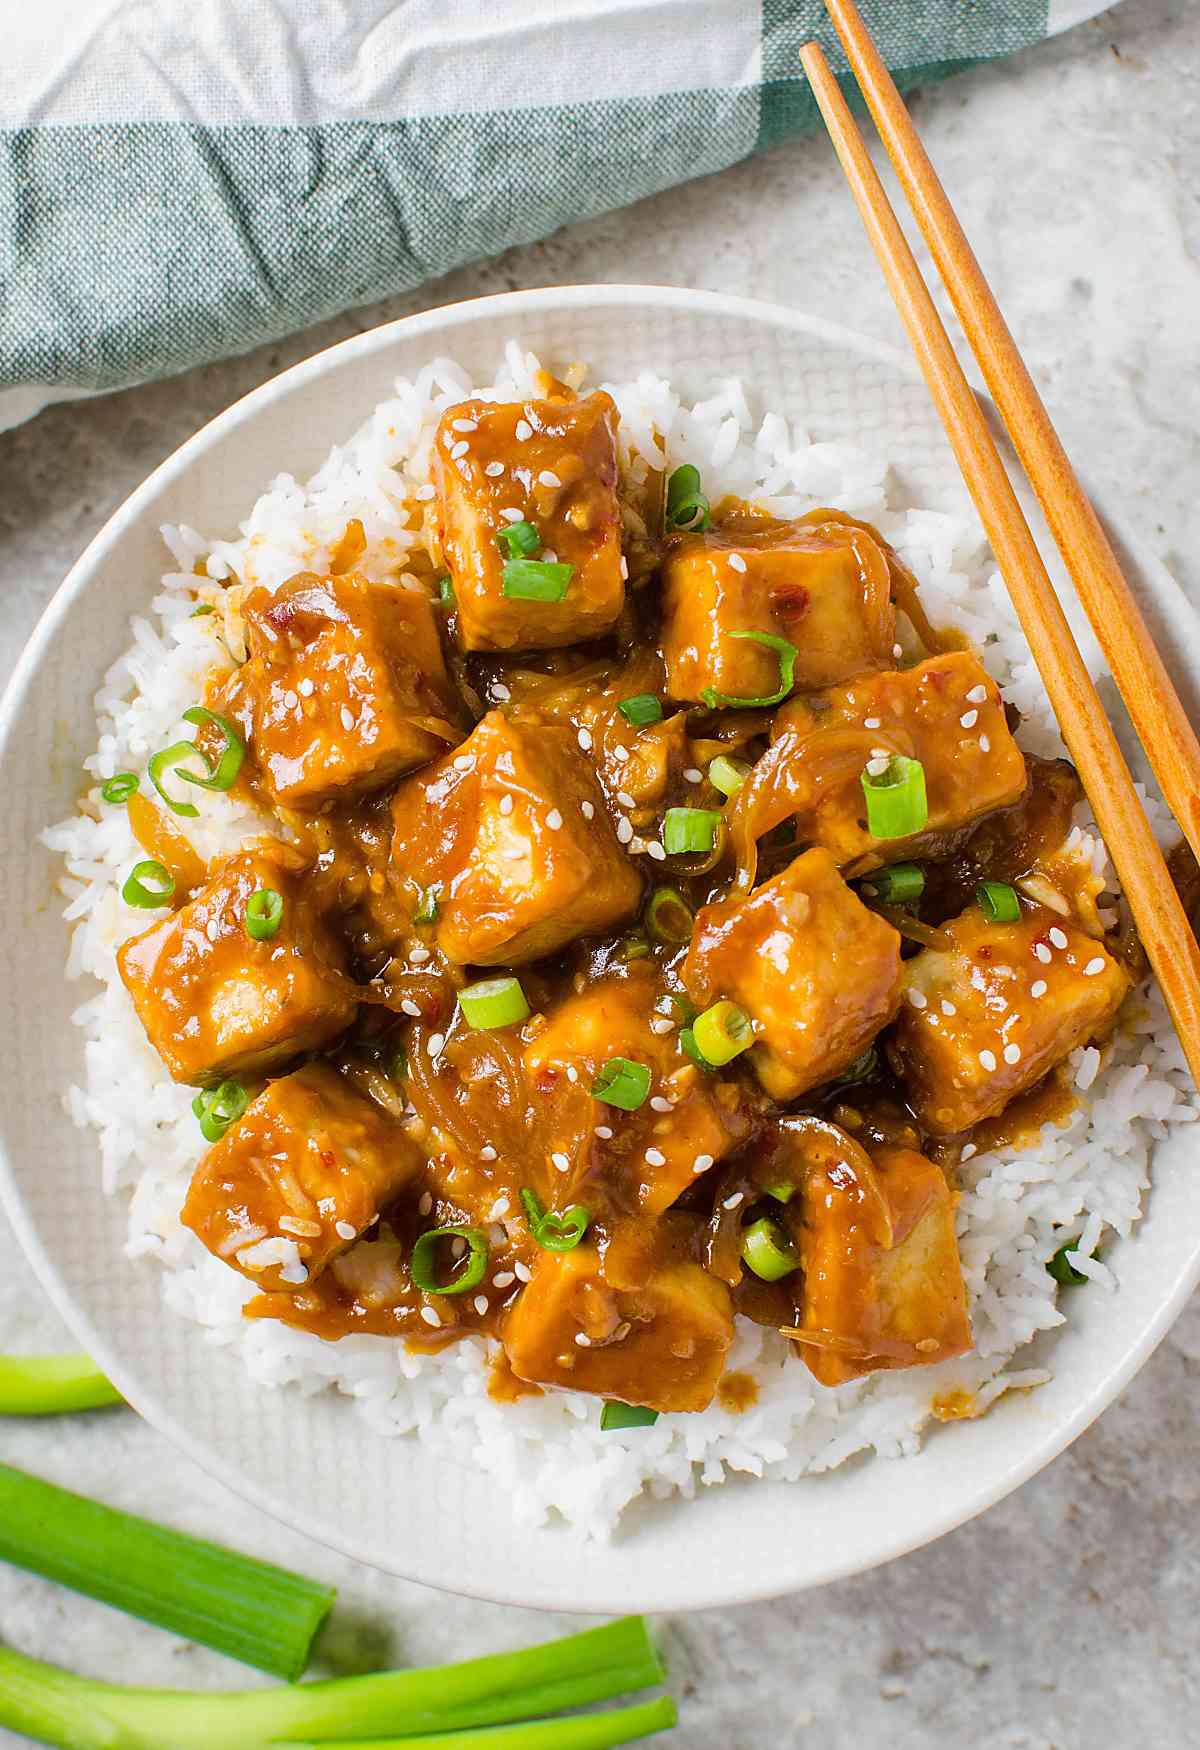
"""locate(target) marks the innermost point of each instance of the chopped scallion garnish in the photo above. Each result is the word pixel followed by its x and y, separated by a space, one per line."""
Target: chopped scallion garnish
pixel 470 1267
pixel 687 1041
pixel 722 1033
pixel 786 653
pixel 895 797
pixel 669 917
pixel 642 708
pixel 445 589
pixel 170 759
pixel 862 1069
pixel 727 775
pixel 687 831
pixel 52 1385
pixel 493 1002
pixel 217 1108
pixel 998 902
pixel 622 1083
pixel 427 906
pixel 555 1230
pixel 149 885
pixel 687 508
pixel 519 540
pixel 200 612
pixel 618 1415
pixel 264 914
pixel 229 761
pixel 120 787
pixel 768 1251
pixel 536 580
pixel 898 885
pixel 1061 1268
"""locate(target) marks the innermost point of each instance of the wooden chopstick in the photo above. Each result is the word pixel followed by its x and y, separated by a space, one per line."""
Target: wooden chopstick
pixel 1169 943
pixel 1154 707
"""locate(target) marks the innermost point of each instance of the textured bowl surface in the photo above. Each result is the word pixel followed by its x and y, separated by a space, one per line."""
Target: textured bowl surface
pixel 312 1462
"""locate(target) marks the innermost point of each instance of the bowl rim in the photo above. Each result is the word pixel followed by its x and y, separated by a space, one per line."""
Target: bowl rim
pixel 1032 1457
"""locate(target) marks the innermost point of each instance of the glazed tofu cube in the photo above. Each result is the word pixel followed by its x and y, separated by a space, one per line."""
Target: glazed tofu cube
pixel 662 1345
pixel 216 1003
pixel 882 1279
pixel 345 688
pixel 549 463
pixel 825 589
pixel 989 1014
pixel 298 1178
pixel 946 712
pixel 512 832
pixel 655 1152
pixel 818 973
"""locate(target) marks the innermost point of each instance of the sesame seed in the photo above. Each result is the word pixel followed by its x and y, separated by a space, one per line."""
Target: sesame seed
pixel 977 695
pixel 347 717
pixel 624 567
pixel 604 1132
pixel 876 767
pixel 1012 1054
pixel 499 1208
pixel 463 762
pixel 501 692
pixel 523 1272
pixel 897 651
pixel 291 700
pixel 561 1161
pixel 949 1008
pixel 419 954
pixel 549 556
pixel 436 1042
pixel 624 830
pixel 588 810
pixel 506 804
pixel 969 1149
pixel 654 1157
pixel 431 1317
pixel 512 515
pixel 988 1059
pixel 572 1073
pixel 503 1279
pixel 345 1230
pixel 305 689
pixel 524 431
pixel 661 1025
pixel 656 852
pixel 554 820
pixel 1093 967
pixel 625 799
pixel 494 470
pixel 694 775
pixel 1057 936
pixel 426 1204
pixel 212 929
pixel 659 1104
pixel 548 477
pixel 620 752
pixel 732 1202
pixel 1043 953
pixel 872 723
pixel 1038 988
pixel 918 999
pixel 410 1008
pixel 736 562
pixel 969 719
pixel 582 1338
pixel 487 1152
pixel 481 1304
pixel 985 745
pixel 584 738
pixel 465 424
pixel 702 1163
pixel 459 450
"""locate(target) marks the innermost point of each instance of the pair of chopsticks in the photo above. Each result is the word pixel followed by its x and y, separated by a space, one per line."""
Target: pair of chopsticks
pixel 1153 704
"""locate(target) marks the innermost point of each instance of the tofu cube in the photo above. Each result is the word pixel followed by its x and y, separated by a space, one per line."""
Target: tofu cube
pixel 513 832
pixel 301 1175
pixel 882 1278
pixel 216 1003
pixel 662 1345
pixel 555 464
pixel 654 1153
pixel 345 688
pixel 993 1011
pixel 826 589
pixel 946 712
pixel 817 972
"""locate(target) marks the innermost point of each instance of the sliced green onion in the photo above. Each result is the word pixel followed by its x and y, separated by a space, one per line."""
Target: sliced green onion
pixel 899 884
pixel 445 589
pixel 469 1270
pixel 640 709
pixel 148 885
pixel 398 1065
pixel 536 580
pixel 52 1385
pixel 519 541
pixel 687 1041
pixel 622 1083
pixel 998 902
pixel 198 613
pixel 728 775
pixel 1061 1268
pixel 780 1191
pixel 169 759
pixel 688 830
pixel 264 914
pixel 427 908
pixel 120 787
pixel 247 1609
pixel 635 947
pixel 440 1708
pixel 768 1251
pixel 218 1108
pixel 687 507
pixel 862 1069
pixel 669 917
pixel 786 653
pixel 229 761
pixel 896 801
pixel 493 1002
pixel 618 1415
pixel 555 1230
pixel 722 1033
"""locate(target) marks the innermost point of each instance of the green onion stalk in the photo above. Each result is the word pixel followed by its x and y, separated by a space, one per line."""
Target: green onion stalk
pixel 78 1713
pixel 51 1385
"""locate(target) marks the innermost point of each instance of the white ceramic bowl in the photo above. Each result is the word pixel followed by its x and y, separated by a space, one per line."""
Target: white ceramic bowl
pixel 312 1462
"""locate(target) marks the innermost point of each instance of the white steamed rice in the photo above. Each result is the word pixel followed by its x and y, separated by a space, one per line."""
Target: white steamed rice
pixel 547 1454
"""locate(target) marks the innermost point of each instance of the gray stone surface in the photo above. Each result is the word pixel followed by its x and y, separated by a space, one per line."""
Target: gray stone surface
pixel 1066 1618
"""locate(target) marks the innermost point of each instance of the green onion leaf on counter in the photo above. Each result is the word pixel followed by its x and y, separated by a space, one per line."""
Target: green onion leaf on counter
pixel 493 1002
pixel 519 541
pixel 244 1608
pixel 785 651
pixel 998 902
pixel 641 709
pixel 555 1230
pixel 120 787
pixel 728 775
pixel 217 1108
pixel 52 1385
pixel 536 580
pixel 618 1415
pixel 264 914
pixel 898 885
pixel 895 797
pixel 686 508
pixel 148 885
pixel 622 1083
pixel 438 1708
pixel 687 831
pixel 470 1267
pixel 768 1251
pixel 722 1033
